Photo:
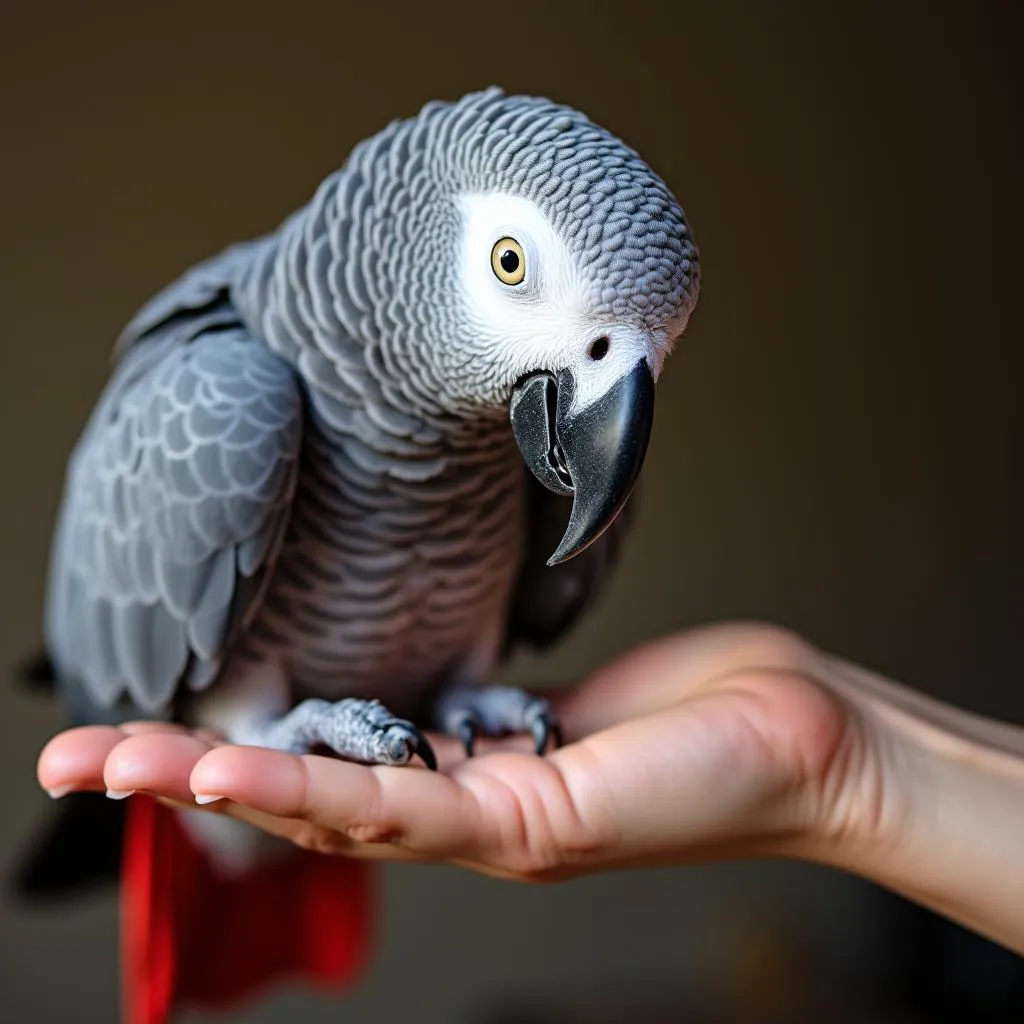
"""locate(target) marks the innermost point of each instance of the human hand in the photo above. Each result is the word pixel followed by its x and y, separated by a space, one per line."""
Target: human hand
pixel 722 743
pixel 717 743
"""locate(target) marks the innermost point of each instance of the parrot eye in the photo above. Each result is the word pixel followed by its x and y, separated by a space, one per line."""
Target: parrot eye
pixel 508 261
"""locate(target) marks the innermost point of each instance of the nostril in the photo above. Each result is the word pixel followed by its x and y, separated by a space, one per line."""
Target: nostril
pixel 599 348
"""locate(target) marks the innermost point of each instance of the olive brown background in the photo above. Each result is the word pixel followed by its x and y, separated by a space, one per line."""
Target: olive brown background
pixel 837 440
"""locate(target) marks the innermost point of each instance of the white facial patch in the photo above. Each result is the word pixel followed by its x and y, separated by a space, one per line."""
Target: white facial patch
pixel 543 322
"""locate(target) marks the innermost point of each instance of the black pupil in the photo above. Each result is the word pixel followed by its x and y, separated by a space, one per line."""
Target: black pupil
pixel 509 261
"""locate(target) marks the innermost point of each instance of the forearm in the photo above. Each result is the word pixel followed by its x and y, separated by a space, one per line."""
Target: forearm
pixel 939 815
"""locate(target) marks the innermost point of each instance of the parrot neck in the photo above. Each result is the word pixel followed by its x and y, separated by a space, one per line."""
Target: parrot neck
pixel 324 293
pixel 359 379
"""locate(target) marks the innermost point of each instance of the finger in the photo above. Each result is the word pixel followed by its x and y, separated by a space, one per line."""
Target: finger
pixel 142 728
pixel 158 763
pixel 314 837
pixel 294 830
pixel 717 770
pixel 423 811
pixel 667 670
pixel 73 760
pixel 303 833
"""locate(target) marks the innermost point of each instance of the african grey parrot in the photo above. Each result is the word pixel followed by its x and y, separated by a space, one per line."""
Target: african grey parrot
pixel 340 471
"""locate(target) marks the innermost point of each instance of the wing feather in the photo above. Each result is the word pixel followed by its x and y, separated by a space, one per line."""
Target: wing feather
pixel 175 502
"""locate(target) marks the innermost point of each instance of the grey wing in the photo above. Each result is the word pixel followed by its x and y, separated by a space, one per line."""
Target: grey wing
pixel 549 600
pixel 176 501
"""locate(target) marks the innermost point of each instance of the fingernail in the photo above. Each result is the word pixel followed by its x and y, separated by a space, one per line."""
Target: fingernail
pixel 58 791
pixel 119 794
pixel 207 798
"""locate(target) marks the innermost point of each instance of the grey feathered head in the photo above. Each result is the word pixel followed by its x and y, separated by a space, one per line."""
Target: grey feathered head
pixel 505 252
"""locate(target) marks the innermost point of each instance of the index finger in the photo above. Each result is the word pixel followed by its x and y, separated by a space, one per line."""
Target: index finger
pixel 424 811
pixel 76 758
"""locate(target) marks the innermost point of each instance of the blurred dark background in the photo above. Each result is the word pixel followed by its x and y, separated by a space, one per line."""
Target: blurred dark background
pixel 836 448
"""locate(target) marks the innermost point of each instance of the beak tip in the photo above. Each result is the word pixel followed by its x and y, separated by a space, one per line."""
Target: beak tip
pixel 560 554
pixel 579 537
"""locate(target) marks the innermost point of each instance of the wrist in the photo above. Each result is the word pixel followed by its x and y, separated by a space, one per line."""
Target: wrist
pixel 927 801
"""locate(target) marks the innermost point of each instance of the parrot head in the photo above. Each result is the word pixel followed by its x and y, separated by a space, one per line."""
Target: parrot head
pixel 530 265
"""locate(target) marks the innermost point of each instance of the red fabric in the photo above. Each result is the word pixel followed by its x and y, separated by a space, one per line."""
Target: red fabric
pixel 192 937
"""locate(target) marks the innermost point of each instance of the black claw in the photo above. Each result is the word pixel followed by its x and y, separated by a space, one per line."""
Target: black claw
pixel 467 731
pixel 544 727
pixel 557 735
pixel 422 747
pixel 540 735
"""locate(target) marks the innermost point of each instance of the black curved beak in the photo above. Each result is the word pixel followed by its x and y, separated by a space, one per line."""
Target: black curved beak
pixel 594 455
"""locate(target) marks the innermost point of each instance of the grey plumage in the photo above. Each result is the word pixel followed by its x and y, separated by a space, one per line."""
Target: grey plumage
pixel 177 496
pixel 303 457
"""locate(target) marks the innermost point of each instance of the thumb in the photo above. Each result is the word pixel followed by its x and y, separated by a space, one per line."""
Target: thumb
pixel 698 781
pixel 662 672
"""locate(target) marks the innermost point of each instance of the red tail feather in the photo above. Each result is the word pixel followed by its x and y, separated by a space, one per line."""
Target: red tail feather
pixel 191 936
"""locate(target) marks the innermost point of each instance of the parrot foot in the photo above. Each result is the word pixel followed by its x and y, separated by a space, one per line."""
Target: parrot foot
pixel 359 730
pixel 468 712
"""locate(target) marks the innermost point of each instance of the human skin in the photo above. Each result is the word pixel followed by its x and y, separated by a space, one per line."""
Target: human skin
pixel 734 741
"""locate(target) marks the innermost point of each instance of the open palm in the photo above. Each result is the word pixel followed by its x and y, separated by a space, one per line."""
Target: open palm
pixel 711 744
